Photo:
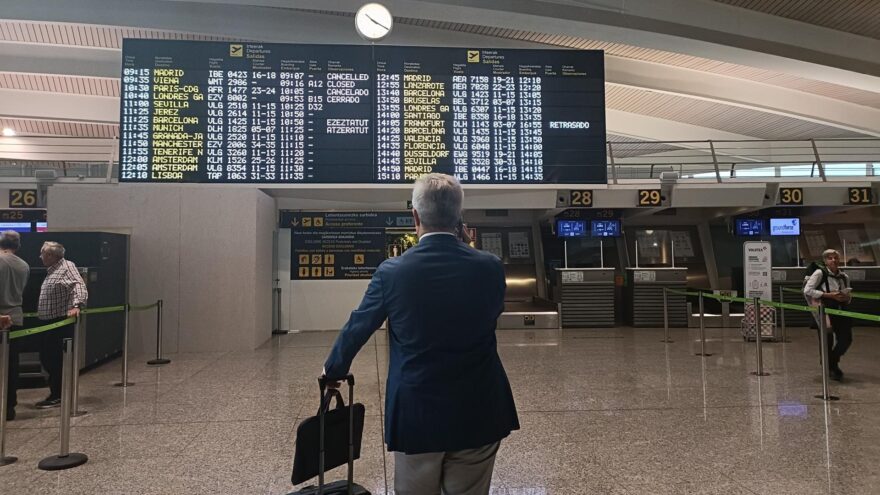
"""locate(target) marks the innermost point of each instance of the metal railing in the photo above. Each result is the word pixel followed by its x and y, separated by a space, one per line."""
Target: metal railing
pixel 24 157
pixel 58 157
pixel 720 161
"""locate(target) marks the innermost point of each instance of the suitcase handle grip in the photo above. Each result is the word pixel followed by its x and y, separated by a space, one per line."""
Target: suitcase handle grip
pixel 323 381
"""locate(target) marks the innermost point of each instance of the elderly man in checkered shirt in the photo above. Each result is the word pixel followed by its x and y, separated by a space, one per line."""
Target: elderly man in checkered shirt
pixel 62 296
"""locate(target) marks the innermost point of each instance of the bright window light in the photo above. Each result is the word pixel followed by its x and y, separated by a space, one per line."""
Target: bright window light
pixel 8 132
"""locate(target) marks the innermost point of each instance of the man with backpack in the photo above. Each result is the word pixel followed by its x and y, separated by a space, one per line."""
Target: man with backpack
pixel 830 287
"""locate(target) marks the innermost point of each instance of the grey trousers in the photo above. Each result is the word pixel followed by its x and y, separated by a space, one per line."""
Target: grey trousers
pixel 463 472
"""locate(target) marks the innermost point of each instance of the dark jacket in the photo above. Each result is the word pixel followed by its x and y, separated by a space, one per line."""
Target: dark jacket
pixel 447 389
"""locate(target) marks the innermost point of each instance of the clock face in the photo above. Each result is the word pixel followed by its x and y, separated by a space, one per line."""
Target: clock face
pixel 373 21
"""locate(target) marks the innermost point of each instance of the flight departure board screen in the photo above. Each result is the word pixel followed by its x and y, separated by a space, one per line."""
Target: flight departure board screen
pixel 217 112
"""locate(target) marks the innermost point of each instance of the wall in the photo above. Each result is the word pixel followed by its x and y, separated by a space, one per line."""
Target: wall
pixel 313 304
pixel 262 275
pixel 205 250
pixel 324 304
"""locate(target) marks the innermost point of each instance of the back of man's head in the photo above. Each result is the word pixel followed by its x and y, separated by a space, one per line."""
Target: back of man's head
pixel 10 239
pixel 437 199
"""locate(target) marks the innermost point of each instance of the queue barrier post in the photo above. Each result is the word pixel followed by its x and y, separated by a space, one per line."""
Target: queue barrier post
pixel 759 352
pixel 65 459
pixel 4 384
pixel 124 382
pixel 74 380
pixel 159 359
pixel 823 353
pixel 702 328
pixel 666 317
pixel 782 315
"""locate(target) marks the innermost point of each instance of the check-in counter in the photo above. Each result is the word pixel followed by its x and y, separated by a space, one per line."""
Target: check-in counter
pixel 644 296
pixel 586 297
pixel 862 278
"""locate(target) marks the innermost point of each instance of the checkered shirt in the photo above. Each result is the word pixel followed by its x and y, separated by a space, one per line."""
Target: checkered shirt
pixel 62 290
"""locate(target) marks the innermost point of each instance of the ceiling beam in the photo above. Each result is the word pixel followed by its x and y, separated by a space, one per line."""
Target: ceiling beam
pixel 36 58
pixel 43 105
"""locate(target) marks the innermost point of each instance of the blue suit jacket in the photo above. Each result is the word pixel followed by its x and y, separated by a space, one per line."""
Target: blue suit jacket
pixel 447 389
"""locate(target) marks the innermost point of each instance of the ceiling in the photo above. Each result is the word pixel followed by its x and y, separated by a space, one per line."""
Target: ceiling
pixel 861 17
pixel 693 80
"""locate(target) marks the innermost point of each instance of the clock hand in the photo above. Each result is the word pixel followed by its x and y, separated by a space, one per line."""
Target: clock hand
pixel 376 22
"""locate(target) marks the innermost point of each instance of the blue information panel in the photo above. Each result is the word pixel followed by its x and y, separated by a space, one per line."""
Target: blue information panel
pixel 571 228
pixel 218 112
pixel 16 226
pixel 749 227
pixel 605 228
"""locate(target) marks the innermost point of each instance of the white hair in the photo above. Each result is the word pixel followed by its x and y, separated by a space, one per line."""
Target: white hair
pixel 829 252
pixel 53 248
pixel 437 198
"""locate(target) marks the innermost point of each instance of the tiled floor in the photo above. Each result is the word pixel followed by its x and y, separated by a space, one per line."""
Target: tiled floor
pixel 602 412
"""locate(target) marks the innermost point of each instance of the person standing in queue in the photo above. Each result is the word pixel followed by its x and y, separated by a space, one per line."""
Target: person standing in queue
pixel 14 273
pixel 448 402
pixel 62 295
pixel 830 287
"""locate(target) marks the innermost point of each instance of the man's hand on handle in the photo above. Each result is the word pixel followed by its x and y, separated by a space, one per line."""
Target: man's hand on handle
pixel 73 313
pixel 335 384
pixel 5 322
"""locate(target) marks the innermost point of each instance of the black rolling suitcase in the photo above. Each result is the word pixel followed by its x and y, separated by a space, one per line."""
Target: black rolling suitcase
pixel 328 440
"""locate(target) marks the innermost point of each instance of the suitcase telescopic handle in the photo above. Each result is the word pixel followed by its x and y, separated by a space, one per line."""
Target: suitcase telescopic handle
pixel 323 381
pixel 325 401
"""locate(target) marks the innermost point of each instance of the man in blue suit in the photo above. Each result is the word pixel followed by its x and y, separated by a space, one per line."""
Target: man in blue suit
pixel 448 402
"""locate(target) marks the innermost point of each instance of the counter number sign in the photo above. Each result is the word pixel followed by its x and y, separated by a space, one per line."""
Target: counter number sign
pixel 580 199
pixel 23 198
pixel 650 197
pixel 791 196
pixel 861 196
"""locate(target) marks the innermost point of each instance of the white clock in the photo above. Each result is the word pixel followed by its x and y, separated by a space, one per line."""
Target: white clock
pixel 373 21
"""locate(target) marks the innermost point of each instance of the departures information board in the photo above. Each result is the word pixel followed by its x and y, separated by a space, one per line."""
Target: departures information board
pixel 217 112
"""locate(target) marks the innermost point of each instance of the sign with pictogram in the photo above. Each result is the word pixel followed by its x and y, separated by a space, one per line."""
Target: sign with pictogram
pixel 339 245
pixel 336 254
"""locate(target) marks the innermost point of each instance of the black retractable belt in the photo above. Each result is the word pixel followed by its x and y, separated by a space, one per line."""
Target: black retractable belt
pixel 328 440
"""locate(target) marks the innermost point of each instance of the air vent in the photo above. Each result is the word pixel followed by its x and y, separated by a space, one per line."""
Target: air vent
pixel 45 174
